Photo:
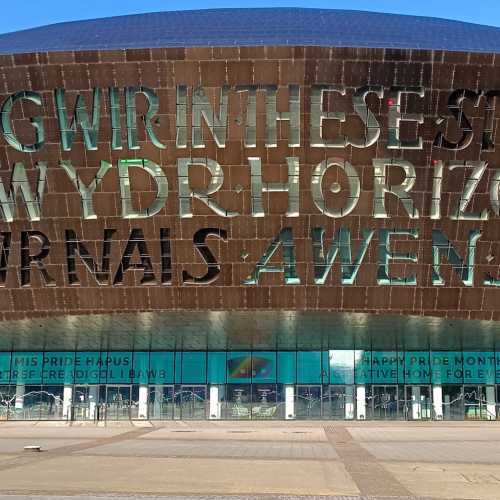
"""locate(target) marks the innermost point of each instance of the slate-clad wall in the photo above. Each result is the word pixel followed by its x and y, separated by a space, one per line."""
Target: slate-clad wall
pixel 162 69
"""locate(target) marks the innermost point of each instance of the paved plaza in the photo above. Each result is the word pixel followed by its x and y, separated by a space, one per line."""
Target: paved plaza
pixel 286 460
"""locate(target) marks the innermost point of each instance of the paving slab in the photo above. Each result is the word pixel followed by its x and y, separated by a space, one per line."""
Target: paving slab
pixel 297 434
pixel 439 431
pixel 450 481
pixel 217 449
pixel 67 432
pixel 145 475
pixel 16 445
pixel 465 452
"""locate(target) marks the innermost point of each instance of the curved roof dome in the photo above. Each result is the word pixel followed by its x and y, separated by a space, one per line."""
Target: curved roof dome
pixel 269 26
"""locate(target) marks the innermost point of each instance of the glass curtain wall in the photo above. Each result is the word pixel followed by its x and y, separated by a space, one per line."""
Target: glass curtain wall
pixel 326 384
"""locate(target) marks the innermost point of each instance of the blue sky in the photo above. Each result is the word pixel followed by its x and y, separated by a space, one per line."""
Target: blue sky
pixel 16 15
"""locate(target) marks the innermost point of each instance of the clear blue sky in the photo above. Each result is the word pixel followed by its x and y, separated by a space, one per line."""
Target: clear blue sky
pixel 16 15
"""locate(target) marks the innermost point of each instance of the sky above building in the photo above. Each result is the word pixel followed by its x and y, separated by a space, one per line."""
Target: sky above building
pixel 38 13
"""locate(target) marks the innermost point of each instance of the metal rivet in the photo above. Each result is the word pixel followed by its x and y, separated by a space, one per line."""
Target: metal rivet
pixel 335 187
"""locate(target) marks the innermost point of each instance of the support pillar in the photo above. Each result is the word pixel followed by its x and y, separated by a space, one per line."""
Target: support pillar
pixel 491 406
pixel 437 401
pixel 93 401
pixel 215 403
pixel 360 402
pixel 19 402
pixel 349 402
pixel 67 402
pixel 143 402
pixel 416 403
pixel 289 402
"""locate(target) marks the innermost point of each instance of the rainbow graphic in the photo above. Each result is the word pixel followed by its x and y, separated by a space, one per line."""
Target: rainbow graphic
pixel 242 367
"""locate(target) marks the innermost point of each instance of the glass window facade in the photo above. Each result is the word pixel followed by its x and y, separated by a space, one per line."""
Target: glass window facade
pixel 340 383
pixel 336 367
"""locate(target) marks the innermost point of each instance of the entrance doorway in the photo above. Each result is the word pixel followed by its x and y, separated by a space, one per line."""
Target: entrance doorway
pixel 479 402
pixel 453 402
pixel 418 402
pixel 338 402
pixel 85 402
pixel 120 404
pixel 161 402
pixel 308 401
pixel 383 402
pixel 190 402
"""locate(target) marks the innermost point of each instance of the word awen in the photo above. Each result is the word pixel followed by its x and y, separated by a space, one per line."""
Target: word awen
pixel 152 262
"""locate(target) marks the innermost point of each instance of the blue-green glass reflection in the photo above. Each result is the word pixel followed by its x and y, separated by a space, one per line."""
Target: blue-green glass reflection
pixel 216 368
pixel 362 367
pixel 384 367
pixel 239 367
pixel 140 373
pixel 264 367
pixel 287 367
pixel 90 367
pixel 417 369
pixel 447 367
pixel 4 367
pixel 26 368
pixel 309 370
pixel 119 367
pixel 341 367
pixel 58 368
pixel 194 368
pixel 479 367
pixel 161 368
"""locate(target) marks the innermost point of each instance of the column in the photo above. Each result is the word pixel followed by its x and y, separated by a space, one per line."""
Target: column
pixel 67 402
pixel 19 402
pixel 143 402
pixel 289 402
pixel 349 402
pixel 215 405
pixel 437 401
pixel 93 401
pixel 360 402
pixel 490 402
pixel 416 403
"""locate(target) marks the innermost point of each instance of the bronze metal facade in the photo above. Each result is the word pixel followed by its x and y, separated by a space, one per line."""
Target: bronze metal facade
pixel 449 89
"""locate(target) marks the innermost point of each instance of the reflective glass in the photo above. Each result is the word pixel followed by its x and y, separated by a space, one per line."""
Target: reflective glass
pixel 479 367
pixel 341 367
pixel 239 367
pixel 4 367
pixel 161 368
pixel 90 367
pixel 194 367
pixel 447 367
pixel 119 367
pixel 27 368
pixel 385 367
pixel 216 368
pixel 417 369
pixel 58 368
pixel 178 367
pixel 287 367
pixel 264 367
pixel 140 373
pixel 362 367
pixel 309 369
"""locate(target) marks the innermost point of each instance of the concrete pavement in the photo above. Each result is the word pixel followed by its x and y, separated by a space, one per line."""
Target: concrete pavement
pixel 445 460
